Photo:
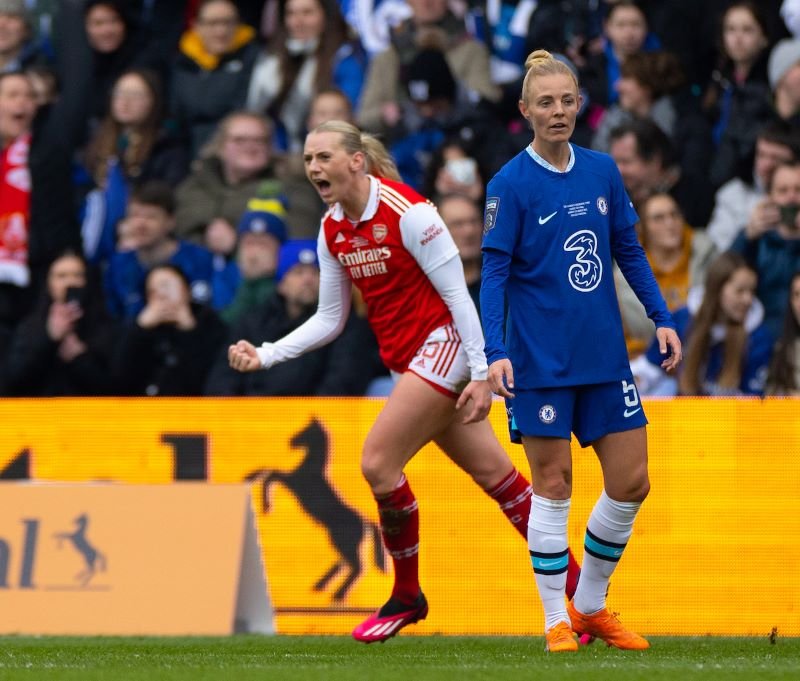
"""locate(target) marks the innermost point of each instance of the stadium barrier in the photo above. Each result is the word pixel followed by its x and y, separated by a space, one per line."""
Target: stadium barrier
pixel 87 558
pixel 714 548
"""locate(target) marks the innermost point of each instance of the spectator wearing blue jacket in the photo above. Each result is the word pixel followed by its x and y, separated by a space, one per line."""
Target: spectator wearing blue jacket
pixel 149 222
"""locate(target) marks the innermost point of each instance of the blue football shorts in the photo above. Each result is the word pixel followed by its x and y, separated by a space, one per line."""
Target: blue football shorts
pixel 589 411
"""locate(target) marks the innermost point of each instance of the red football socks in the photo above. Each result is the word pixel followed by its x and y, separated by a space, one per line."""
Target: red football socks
pixel 400 527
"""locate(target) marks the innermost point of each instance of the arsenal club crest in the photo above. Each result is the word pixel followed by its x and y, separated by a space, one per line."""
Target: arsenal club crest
pixel 379 232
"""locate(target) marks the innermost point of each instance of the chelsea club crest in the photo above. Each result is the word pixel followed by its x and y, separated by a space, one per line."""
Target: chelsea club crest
pixel 547 414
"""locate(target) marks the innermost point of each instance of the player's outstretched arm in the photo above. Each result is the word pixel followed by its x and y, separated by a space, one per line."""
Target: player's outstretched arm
pixel 501 377
pixel 242 356
pixel 668 342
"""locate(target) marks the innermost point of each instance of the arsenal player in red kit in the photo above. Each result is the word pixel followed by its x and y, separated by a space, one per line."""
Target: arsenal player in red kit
pixel 391 243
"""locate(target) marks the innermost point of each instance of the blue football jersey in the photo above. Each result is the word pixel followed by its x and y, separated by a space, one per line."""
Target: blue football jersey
pixel 550 239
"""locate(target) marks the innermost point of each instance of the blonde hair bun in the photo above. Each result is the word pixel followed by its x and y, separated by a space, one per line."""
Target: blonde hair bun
pixel 537 57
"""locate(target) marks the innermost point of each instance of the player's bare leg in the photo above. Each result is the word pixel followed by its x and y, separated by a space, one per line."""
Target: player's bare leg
pixel 414 415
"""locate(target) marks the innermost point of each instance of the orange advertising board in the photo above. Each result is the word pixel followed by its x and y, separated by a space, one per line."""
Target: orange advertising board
pixel 121 559
pixel 712 540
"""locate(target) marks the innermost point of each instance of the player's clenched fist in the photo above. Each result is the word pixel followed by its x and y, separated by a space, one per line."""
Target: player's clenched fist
pixel 243 357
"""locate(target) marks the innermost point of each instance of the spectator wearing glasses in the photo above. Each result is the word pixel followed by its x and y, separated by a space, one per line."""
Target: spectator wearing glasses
pixel 235 165
pixel 239 164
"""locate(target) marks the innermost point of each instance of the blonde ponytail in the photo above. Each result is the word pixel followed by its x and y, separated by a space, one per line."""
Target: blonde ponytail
pixel 379 162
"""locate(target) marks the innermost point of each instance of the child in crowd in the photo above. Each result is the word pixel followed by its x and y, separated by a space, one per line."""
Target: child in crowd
pixel 150 220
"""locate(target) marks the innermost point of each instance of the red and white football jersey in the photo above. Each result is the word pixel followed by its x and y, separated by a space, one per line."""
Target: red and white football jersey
pixel 388 254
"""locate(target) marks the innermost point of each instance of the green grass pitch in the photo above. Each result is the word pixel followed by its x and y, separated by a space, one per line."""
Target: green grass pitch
pixel 406 658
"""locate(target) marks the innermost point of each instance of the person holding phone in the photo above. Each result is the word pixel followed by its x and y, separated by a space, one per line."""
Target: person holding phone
pixel 170 346
pixel 772 248
pixel 453 170
pixel 63 348
pixel 557 216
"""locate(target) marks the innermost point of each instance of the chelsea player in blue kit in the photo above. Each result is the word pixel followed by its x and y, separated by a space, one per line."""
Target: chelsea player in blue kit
pixel 557 215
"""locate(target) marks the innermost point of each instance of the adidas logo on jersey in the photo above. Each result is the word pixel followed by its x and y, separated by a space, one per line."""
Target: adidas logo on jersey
pixel 339 238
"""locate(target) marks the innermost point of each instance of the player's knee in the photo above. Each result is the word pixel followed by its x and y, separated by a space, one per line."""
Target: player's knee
pixel 488 477
pixel 643 489
pixel 635 489
pixel 370 469
pixel 555 485
pixel 380 476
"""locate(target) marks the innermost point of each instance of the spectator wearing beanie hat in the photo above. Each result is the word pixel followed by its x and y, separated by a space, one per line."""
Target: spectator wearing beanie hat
pixel 783 69
pixel 262 231
pixel 264 216
pixel 295 253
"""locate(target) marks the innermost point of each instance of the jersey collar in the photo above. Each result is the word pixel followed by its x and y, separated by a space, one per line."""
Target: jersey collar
pixel 549 166
pixel 337 212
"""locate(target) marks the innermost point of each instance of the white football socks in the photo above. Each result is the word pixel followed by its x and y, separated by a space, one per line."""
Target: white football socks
pixel 547 542
pixel 607 532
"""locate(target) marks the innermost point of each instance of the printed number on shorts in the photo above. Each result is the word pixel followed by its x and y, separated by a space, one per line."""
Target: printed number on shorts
pixel 631 394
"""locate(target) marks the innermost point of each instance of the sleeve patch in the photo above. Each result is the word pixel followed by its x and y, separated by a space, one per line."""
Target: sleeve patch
pixel 490 216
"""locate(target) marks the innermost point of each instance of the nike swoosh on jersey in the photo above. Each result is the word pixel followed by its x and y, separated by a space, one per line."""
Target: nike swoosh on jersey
pixel 543 220
pixel 627 414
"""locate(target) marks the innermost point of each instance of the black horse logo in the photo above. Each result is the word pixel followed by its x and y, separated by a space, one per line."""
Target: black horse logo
pixel 92 557
pixel 345 527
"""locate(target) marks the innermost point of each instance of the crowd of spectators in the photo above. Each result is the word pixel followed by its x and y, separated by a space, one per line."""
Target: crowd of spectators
pixel 154 208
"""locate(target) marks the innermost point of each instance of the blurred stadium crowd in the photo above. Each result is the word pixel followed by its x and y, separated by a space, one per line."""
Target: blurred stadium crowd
pixel 153 204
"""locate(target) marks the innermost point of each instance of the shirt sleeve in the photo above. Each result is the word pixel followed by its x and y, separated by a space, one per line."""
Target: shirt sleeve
pixel 501 227
pixel 630 255
pixel 426 237
pixel 502 217
pixel 448 280
pixel 326 323
pixel 428 240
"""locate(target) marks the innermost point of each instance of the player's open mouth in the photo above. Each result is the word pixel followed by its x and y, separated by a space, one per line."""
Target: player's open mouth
pixel 323 187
